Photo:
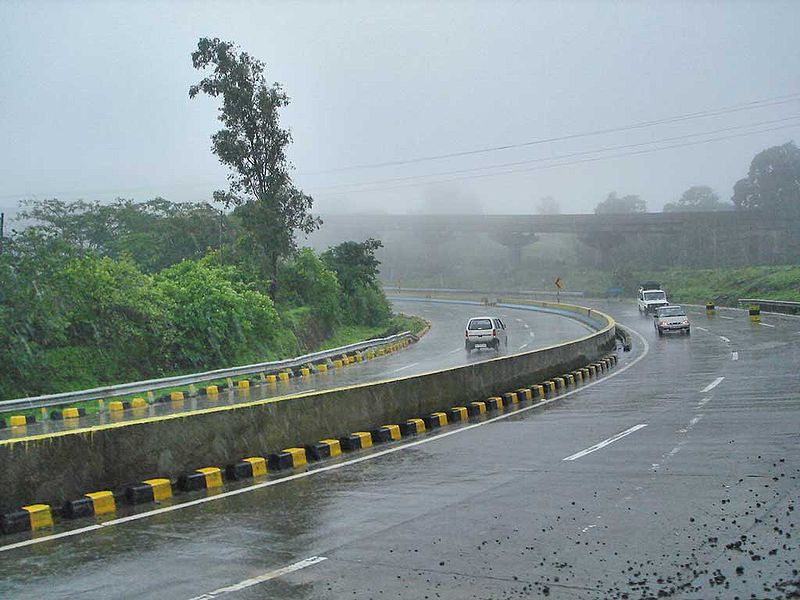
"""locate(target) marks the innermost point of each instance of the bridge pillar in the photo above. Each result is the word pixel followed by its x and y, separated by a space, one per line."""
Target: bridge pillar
pixel 515 241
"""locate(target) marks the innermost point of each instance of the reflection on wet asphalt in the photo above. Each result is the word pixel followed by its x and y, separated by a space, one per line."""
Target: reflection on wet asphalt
pixel 700 503
pixel 441 348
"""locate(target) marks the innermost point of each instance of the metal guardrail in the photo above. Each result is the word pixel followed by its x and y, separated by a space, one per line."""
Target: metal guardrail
pixel 398 289
pixel 136 387
pixel 782 306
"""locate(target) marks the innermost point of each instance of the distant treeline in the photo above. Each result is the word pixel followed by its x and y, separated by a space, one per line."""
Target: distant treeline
pixel 93 294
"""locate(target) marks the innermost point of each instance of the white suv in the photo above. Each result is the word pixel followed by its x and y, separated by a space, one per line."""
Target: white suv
pixel 651 298
pixel 487 332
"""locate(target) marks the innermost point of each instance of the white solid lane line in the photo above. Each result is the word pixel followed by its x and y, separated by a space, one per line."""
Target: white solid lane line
pixel 724 317
pixel 605 443
pixel 734 356
pixel 767 325
pixel 712 385
pixel 262 578
pixel 331 467
pixel 724 339
pixel 701 328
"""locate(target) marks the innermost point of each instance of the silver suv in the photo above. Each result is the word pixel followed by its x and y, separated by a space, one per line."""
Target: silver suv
pixel 671 318
pixel 486 332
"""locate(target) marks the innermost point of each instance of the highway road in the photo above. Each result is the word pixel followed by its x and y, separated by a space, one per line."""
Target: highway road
pixel 675 475
pixel 441 348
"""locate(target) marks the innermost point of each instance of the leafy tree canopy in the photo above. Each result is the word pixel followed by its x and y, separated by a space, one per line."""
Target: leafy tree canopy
pixel 614 204
pixel 354 263
pixel 772 183
pixel 696 199
pixel 252 144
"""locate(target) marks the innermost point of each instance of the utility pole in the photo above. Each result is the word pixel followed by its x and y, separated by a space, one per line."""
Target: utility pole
pixel 2 230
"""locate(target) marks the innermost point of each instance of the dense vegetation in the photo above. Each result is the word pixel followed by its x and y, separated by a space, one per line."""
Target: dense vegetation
pixel 93 294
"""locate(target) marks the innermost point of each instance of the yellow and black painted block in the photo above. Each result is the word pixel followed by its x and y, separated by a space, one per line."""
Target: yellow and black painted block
pixel 560 383
pixel 27 518
pixel 288 458
pixel 577 376
pixel 494 403
pixel 117 405
pixel 68 413
pixel 202 479
pixel 434 420
pixel 457 414
pixel 247 468
pixel 412 427
pixel 550 386
pixel 570 379
pixel 510 399
pixel 386 433
pixel 21 420
pixel 476 408
pixel 586 373
pixel 356 441
pixel 710 307
pixel 150 490
pixel 537 391
pixel 524 394
pixel 592 371
pixel 93 503
pixel 323 449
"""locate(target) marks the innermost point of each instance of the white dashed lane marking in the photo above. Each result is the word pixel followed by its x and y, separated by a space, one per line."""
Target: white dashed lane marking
pixel 724 339
pixel 766 325
pixel 734 356
pixel 605 443
pixel 712 385
pixel 313 560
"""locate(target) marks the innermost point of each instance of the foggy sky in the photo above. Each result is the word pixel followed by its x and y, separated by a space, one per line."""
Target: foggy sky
pixel 94 97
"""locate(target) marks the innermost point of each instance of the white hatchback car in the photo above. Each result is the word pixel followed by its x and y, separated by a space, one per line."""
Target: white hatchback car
pixel 486 332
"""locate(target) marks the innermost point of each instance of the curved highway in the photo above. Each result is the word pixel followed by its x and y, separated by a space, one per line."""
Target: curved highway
pixel 675 475
pixel 441 348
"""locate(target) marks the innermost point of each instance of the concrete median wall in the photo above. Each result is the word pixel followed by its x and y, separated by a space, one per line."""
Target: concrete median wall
pixel 66 465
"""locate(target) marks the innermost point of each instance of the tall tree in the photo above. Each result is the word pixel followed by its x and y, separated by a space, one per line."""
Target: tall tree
pixel 614 204
pixel 252 144
pixel 697 198
pixel 772 183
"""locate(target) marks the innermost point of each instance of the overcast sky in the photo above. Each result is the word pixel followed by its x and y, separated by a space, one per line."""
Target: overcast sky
pixel 94 98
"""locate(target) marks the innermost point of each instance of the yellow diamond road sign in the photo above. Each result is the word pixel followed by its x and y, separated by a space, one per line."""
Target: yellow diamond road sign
pixel 557 282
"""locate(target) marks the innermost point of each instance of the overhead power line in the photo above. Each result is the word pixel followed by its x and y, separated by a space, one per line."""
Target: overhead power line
pixel 755 104
pixel 551 158
pixel 570 163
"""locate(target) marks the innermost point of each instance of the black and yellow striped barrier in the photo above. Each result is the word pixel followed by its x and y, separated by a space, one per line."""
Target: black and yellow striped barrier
pixel 288 458
pixel 754 310
pixel 356 441
pixel 201 479
pixel 93 503
pixel 434 420
pixel 525 394
pixel 510 398
pixel 150 490
pixel 457 414
pixel 27 518
pixel 386 433
pixel 494 403
pixel 247 468
pixel 412 427
pixel 328 448
pixel 476 409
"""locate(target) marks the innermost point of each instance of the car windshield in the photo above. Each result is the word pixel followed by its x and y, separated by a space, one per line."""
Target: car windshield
pixel 480 324
pixel 671 311
pixel 654 295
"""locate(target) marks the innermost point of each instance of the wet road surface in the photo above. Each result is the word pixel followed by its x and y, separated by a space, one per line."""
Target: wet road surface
pixel 674 476
pixel 441 348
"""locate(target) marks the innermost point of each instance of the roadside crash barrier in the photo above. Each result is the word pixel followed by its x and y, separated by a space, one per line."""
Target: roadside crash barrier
pixel 37 516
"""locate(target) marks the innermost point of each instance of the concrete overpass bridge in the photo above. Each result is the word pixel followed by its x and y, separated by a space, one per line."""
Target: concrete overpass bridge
pixel 602 232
